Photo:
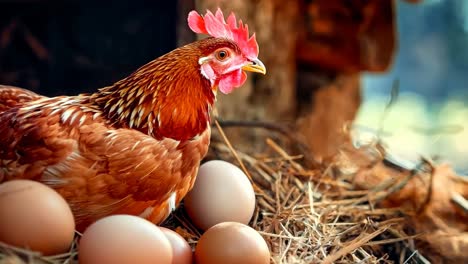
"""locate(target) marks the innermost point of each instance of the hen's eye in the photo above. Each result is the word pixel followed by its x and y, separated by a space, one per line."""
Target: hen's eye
pixel 222 55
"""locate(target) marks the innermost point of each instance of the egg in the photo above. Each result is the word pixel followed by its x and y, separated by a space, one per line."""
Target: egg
pixel 124 239
pixel 221 193
pixel 36 217
pixel 181 250
pixel 231 243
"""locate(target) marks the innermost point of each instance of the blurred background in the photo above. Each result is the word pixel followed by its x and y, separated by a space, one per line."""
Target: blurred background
pixel 331 64
pixel 431 64
pixel 67 47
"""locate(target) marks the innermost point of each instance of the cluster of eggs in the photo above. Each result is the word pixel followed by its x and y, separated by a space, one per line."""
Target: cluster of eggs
pixel 221 203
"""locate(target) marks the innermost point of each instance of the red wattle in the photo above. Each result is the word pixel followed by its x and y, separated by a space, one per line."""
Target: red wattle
pixel 231 81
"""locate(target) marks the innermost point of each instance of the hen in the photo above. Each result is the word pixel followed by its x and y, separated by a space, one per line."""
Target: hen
pixel 133 147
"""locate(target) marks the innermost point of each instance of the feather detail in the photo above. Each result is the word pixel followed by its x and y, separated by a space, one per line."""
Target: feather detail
pixel 176 107
pixel 11 96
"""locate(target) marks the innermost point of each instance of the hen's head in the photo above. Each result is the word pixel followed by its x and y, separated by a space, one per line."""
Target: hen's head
pixel 229 54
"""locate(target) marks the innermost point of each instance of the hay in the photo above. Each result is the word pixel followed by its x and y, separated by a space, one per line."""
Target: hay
pixel 329 214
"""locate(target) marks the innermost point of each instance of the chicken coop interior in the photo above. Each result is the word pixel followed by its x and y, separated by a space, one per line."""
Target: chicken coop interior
pixel 345 123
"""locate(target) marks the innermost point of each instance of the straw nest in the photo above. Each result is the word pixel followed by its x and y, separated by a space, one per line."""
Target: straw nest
pixel 358 207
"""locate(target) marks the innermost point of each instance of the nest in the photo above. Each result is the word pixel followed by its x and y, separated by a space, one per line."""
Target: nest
pixel 359 207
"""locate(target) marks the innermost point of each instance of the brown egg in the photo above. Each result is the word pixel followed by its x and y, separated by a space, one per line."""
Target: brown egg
pixel 36 217
pixel 124 239
pixel 232 243
pixel 221 193
pixel 181 250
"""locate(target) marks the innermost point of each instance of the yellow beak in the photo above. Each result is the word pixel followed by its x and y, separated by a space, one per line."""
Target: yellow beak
pixel 255 66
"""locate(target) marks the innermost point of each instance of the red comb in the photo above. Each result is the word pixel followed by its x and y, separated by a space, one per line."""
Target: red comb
pixel 216 26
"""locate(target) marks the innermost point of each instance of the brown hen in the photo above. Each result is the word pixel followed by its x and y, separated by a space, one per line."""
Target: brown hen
pixel 133 147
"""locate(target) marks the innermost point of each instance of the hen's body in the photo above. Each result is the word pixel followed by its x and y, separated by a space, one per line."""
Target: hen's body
pixel 133 147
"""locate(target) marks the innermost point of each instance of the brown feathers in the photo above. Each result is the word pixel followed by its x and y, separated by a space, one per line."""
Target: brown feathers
pixel 11 96
pixel 167 97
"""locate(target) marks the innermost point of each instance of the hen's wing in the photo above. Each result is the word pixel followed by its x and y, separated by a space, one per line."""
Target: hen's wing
pixel 98 169
pixel 11 96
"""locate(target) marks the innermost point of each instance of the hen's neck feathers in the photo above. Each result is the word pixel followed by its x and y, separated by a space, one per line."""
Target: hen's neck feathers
pixel 166 98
